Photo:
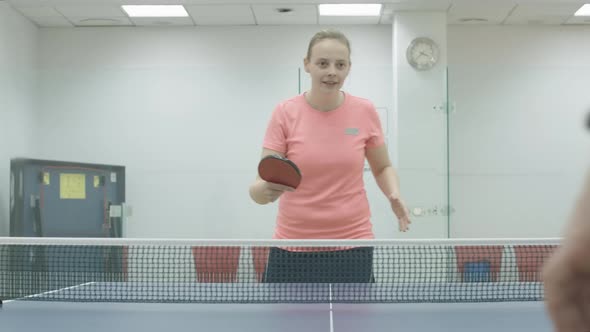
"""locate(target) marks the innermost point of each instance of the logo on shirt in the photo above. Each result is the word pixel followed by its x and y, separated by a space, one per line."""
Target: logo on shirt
pixel 351 131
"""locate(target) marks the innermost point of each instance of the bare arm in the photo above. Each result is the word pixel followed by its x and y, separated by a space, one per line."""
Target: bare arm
pixel 566 275
pixel 383 171
pixel 388 181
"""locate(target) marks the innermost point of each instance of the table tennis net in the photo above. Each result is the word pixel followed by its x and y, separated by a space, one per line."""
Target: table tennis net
pixel 271 271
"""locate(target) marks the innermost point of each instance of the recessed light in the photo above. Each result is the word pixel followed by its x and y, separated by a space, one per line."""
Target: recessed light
pixel 350 9
pixel 155 11
pixel 583 11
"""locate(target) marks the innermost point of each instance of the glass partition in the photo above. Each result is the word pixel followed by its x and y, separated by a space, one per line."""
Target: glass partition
pixel 518 148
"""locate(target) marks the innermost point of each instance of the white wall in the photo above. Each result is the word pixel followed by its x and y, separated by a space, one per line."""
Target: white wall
pixel 185 111
pixel 518 145
pixel 18 62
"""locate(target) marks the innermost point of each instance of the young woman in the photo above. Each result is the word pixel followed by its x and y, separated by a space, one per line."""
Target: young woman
pixel 328 134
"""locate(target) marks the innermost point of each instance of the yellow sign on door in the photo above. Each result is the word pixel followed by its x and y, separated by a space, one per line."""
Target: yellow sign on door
pixel 72 186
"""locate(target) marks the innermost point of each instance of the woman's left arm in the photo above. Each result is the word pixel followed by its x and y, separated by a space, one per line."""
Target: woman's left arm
pixel 388 181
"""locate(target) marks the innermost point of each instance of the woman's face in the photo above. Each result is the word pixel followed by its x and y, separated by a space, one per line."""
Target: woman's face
pixel 328 65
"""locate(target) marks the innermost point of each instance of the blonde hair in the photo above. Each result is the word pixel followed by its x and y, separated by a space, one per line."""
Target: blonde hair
pixel 327 34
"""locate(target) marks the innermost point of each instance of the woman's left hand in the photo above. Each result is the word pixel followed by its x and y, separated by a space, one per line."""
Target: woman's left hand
pixel 401 212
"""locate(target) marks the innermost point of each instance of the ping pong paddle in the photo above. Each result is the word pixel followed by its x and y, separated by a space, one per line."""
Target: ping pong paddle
pixel 277 169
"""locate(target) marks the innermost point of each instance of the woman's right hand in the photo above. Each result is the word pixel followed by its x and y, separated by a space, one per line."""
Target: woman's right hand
pixel 272 191
pixel 263 192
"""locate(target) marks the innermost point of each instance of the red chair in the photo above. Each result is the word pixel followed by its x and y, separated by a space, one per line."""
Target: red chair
pixel 260 258
pixel 216 264
pixel 530 260
pixel 474 254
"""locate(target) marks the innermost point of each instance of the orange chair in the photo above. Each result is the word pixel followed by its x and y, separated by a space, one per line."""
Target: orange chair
pixel 492 255
pixel 530 260
pixel 216 264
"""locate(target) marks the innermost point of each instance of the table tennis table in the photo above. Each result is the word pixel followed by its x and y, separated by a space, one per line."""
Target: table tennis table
pixel 332 313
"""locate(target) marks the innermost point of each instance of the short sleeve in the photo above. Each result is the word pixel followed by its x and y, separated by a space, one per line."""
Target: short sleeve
pixel 375 129
pixel 275 137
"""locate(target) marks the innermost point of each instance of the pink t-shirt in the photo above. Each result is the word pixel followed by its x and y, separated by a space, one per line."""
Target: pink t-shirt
pixel 329 149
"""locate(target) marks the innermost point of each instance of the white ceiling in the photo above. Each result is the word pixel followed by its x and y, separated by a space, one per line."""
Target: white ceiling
pixel 80 13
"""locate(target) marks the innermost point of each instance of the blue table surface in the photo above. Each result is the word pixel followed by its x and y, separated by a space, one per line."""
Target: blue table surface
pixel 48 316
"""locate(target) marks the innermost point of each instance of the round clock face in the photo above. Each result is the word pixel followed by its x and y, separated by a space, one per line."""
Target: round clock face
pixel 422 54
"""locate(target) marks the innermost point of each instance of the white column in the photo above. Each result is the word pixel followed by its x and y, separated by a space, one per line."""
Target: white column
pixel 4 6
pixel 419 135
